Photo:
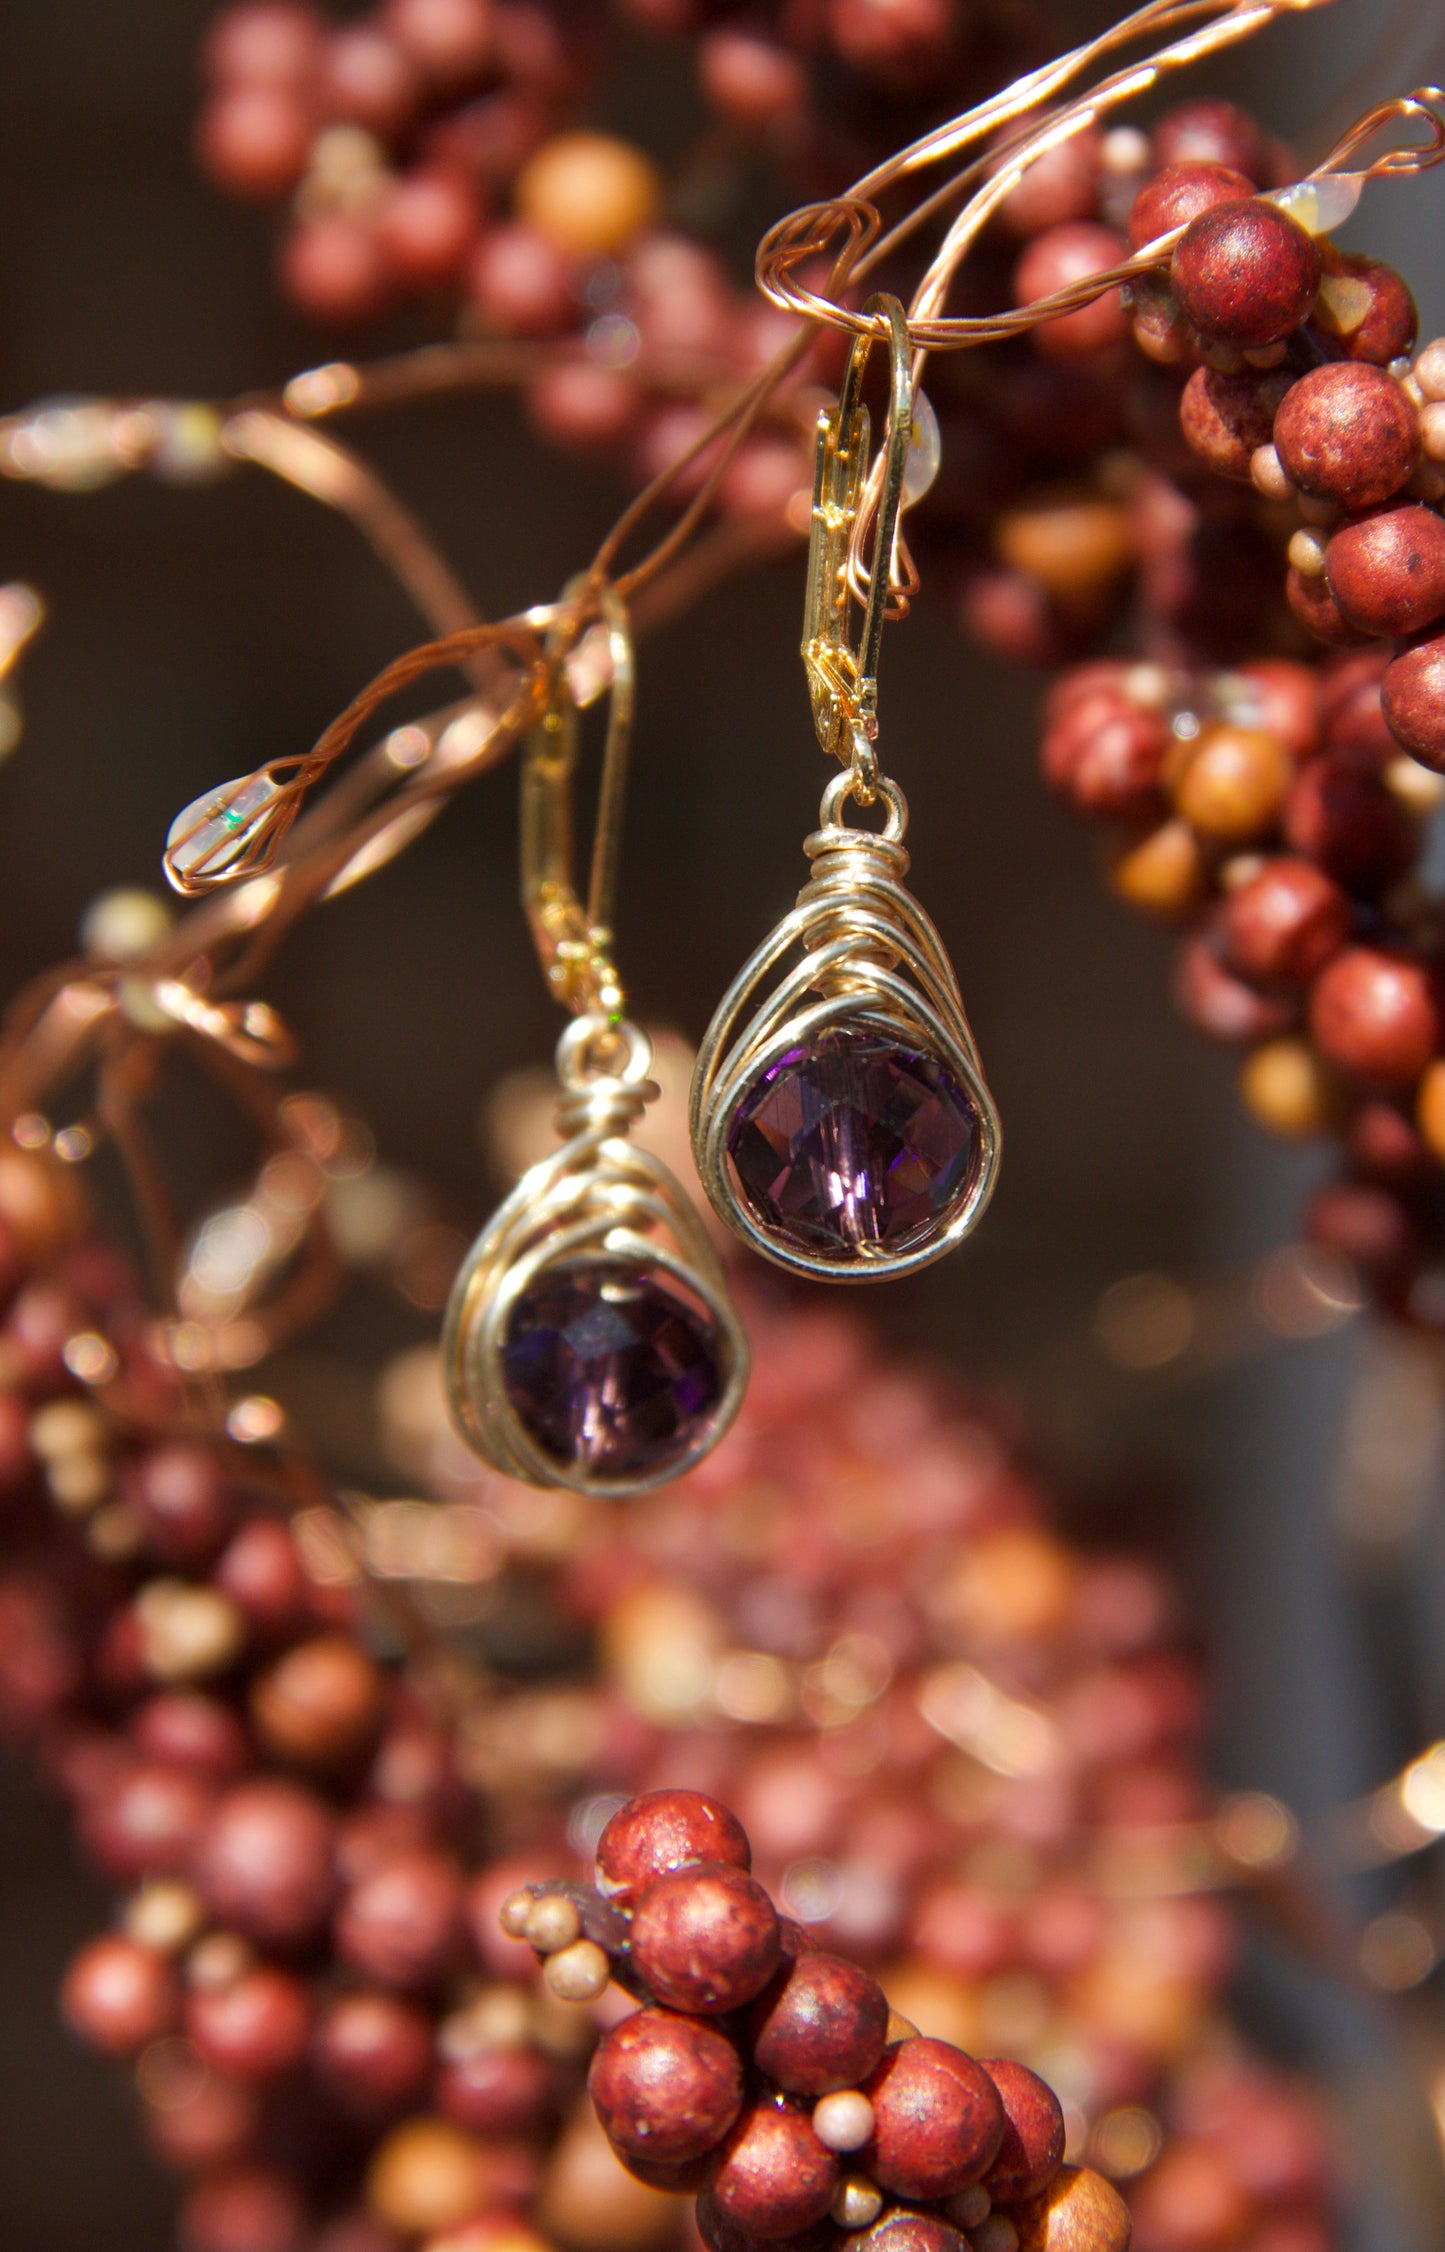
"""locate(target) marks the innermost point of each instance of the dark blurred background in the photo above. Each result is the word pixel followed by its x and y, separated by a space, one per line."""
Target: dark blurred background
pixel 192 635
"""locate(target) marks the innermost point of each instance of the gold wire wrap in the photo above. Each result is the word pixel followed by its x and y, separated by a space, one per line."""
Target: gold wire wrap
pixel 600 1199
pixel 870 958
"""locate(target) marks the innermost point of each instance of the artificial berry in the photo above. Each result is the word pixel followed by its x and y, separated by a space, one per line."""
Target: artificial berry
pixel 1412 698
pixel 772 2176
pixel 1366 309
pixel 254 140
pixel 1032 2149
pixel 662 1830
pixel 1059 186
pixel 491 2091
pixel 1210 131
pixel 1289 1090
pixel 1378 1015
pixel 1234 781
pixel 1179 193
pixel 1347 433
pixel 255 2025
pixel 1245 273
pixel 666 2087
pixel 1285 700
pixel 1219 1004
pixel 1079 2208
pixel 1104 752
pixel 751 79
pixel 1074 252
pixel 264 1863
pixel 520 282
pixel 939 2119
pixel 1164 874
pixel 1227 418
pixel 401 1925
pixel 909 2232
pixel 373 2050
pixel 186 1728
pixel 149 1822
pixel 118 1996
pixel 1387 570
pixel 821 2025
pixel 366 78
pixel 427 2175
pixel 1431 1109
pixel 320 1705
pixel 1309 596
pixel 243 2209
pixel 704 1937
pixel 449 40
pixel 1283 925
pixel 589 193
pixel 1350 824
pixel 1365 1224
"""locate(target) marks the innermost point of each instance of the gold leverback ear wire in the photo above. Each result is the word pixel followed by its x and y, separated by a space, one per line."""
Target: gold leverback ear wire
pixel 842 669
pixel 590 1341
pixel 573 937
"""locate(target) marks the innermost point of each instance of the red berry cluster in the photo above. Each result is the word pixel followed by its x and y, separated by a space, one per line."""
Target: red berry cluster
pixel 403 134
pixel 1307 389
pixel 1271 808
pixel 943 1728
pixel 331 2037
pixel 771 2079
pixel 295 1962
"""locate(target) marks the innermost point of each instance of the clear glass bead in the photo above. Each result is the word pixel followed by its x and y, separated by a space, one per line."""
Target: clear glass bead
pixel 213 832
pixel 925 450
pixel 1321 205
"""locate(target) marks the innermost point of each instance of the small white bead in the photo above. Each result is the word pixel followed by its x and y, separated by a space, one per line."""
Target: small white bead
pixel 843 2121
pixel 925 450
pixel 857 2202
pixel 1307 554
pixel 1267 474
pixel 1430 368
pixel 970 2208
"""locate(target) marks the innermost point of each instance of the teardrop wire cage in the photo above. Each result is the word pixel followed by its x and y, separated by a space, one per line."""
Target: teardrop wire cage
pixel 872 960
pixel 601 1200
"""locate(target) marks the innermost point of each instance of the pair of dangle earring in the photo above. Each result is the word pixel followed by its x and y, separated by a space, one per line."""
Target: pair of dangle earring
pixel 590 1341
pixel 840 1119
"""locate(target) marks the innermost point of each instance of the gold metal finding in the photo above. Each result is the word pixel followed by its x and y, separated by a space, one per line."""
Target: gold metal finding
pixel 841 663
pixel 573 934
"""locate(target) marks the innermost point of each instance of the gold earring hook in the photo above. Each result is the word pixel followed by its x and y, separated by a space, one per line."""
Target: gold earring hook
pixel 574 937
pixel 842 667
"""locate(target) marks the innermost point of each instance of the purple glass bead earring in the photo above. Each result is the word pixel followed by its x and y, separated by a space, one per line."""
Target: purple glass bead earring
pixel 841 1122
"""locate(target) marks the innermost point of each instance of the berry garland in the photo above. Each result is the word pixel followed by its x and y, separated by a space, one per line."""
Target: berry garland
pixel 771 2078
pixel 951 1772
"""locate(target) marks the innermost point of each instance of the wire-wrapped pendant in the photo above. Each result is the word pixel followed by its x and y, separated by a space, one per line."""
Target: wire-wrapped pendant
pixel 590 1341
pixel 841 1122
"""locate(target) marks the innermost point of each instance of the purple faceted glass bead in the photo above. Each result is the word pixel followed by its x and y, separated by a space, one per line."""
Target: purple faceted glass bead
pixel 611 1370
pixel 854 1142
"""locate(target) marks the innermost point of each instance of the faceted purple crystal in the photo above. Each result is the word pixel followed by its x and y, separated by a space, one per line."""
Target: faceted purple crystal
pixel 853 1142
pixel 611 1370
